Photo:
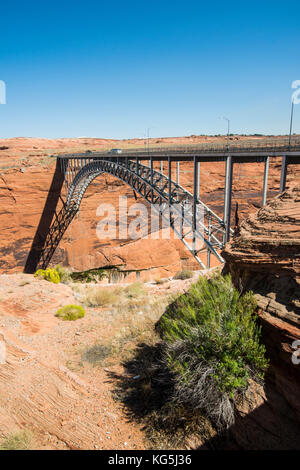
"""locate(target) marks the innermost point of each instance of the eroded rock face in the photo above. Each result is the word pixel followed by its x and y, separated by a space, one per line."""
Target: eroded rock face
pixel 26 171
pixel 264 256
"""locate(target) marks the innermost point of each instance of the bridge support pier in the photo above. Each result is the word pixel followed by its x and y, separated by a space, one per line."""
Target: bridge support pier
pixel 198 178
pixel 196 184
pixel 177 172
pixel 228 196
pixel 177 177
pixel 151 176
pixel 265 187
pixel 64 170
pixel 209 239
pixel 170 188
pixel 283 174
pixel 170 180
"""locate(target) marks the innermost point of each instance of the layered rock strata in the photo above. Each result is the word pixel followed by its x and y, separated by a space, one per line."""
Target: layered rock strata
pixel 264 256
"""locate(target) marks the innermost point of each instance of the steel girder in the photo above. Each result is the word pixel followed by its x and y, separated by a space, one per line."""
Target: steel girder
pixel 58 227
pixel 167 197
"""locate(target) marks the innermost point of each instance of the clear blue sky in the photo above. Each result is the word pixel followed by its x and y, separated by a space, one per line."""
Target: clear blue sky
pixel 113 68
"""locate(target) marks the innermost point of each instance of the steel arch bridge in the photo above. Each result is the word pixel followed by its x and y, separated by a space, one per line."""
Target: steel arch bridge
pixel 196 225
pixel 199 228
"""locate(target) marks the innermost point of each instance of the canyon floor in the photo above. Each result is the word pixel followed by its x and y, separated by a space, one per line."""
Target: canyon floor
pixel 60 377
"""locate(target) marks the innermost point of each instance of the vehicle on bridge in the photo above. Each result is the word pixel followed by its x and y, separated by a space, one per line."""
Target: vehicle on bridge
pixel 115 151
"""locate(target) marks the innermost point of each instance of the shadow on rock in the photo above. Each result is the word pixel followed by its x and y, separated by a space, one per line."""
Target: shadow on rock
pixel 264 420
pixel 146 389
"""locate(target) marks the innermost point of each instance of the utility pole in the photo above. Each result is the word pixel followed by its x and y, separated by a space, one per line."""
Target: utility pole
pixel 228 132
pixel 148 137
pixel 291 124
pixel 148 140
pixel 295 100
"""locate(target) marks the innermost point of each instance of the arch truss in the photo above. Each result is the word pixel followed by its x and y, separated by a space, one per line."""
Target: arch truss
pixel 199 228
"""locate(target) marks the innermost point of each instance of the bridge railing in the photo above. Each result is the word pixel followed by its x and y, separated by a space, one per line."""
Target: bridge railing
pixel 234 144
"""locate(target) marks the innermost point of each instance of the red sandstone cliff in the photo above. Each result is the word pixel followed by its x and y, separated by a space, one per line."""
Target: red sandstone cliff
pixel 26 171
pixel 264 256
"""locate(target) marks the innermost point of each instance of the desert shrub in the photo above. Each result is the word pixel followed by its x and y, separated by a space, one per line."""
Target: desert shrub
pixel 95 296
pixel 70 312
pixel 160 280
pixel 184 274
pixel 23 440
pixel 103 297
pixel 64 273
pixel 49 274
pixel 212 346
pixel 135 290
pixel 92 275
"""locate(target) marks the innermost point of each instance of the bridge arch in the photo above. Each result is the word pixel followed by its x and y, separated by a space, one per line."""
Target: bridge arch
pixel 173 203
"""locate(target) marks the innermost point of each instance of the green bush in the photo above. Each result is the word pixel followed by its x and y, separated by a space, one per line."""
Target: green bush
pixel 212 346
pixel 92 275
pixel 70 312
pixel 49 274
pixel 184 274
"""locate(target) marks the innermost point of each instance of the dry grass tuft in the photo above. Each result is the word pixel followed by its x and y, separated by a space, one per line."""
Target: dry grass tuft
pixel 135 290
pixel 135 321
pixel 23 440
pixel 183 275
pixel 99 296
pixel 95 296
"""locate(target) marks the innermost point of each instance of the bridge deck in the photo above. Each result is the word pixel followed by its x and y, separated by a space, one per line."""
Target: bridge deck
pixel 174 155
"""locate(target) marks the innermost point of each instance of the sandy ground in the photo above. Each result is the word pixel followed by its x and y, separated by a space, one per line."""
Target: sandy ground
pixel 47 384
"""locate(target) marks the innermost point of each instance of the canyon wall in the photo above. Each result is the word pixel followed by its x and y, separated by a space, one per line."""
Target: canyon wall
pixel 26 171
pixel 264 256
